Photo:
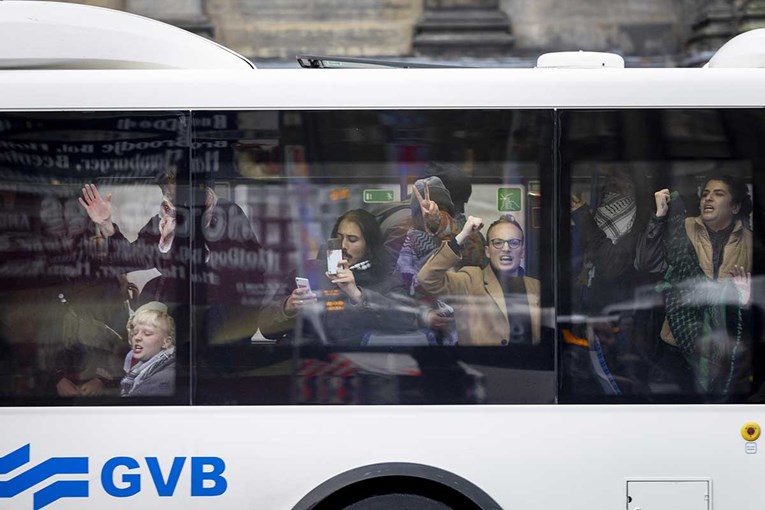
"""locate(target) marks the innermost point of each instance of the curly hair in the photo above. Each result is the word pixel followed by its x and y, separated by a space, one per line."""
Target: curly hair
pixel 738 191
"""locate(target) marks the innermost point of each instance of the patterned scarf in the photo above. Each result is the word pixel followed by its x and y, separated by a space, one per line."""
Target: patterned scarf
pixel 144 369
pixel 417 249
pixel 616 215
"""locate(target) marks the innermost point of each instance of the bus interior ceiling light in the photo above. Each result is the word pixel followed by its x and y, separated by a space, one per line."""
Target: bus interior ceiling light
pixel 54 35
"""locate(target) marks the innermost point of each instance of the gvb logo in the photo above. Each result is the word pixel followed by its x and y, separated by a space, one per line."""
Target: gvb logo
pixel 121 477
pixel 41 472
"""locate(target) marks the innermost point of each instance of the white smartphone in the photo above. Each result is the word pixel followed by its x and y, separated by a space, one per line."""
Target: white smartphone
pixel 334 255
pixel 303 283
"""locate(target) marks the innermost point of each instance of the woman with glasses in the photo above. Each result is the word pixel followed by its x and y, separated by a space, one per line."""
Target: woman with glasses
pixel 496 305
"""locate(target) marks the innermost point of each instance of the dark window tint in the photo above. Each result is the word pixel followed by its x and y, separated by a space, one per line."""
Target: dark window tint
pixel 658 240
pixel 68 284
pixel 291 193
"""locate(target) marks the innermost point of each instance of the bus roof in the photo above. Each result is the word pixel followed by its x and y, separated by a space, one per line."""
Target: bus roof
pixel 60 56
pixel 54 35
pixel 746 50
pixel 318 89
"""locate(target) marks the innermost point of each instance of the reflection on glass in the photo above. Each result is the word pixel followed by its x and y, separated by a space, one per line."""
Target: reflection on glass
pixel 706 264
pixel 217 223
pixel 392 189
pixel 77 190
pixel 494 305
pixel 661 254
pixel 150 364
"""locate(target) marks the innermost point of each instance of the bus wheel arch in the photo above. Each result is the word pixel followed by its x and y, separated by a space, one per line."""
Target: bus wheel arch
pixel 393 483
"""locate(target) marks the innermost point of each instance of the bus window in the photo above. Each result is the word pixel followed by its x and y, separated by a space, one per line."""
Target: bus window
pixel 660 283
pixel 318 187
pixel 86 202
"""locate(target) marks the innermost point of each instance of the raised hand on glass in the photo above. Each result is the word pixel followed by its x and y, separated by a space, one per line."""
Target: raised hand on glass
pixel 167 224
pixel 99 209
pixel 743 282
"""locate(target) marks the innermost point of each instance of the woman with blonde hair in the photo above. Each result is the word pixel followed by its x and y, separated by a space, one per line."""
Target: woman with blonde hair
pixel 150 364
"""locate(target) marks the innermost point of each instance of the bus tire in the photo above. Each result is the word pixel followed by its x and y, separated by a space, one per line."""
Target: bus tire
pixel 399 501
pixel 397 485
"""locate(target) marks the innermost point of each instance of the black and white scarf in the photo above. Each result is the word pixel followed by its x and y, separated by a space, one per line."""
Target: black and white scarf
pixel 616 215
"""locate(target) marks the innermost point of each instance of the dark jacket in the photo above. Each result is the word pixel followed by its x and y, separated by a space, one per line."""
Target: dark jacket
pixel 228 280
pixel 704 318
pixel 334 319
pixel 614 276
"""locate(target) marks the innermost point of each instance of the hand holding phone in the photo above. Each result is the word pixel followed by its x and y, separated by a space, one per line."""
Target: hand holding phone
pixel 299 297
pixel 303 284
pixel 334 254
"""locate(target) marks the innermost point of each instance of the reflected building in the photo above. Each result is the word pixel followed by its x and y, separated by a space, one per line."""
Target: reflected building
pixel 502 33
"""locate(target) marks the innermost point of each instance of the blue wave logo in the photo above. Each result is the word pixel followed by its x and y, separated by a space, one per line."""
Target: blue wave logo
pixel 41 472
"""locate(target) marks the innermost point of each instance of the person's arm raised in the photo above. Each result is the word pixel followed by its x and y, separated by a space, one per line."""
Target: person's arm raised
pixel 743 283
pixel 662 202
pixel 472 224
pixel 429 209
pixel 99 209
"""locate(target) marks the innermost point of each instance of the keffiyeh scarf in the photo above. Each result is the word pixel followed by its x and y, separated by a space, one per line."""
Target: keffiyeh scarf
pixel 616 215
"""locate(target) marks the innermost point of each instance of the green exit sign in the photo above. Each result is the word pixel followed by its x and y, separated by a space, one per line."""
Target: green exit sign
pixel 510 199
pixel 378 196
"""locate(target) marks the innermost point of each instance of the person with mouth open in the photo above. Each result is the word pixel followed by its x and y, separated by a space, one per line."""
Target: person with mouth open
pixel 706 263
pixel 150 363
pixel 496 305
pixel 358 297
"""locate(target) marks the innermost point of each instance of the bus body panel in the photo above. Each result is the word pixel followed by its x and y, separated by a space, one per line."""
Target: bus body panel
pixel 527 457
pixel 369 89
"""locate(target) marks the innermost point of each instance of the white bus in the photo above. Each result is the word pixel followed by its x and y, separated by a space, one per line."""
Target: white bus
pixel 202 194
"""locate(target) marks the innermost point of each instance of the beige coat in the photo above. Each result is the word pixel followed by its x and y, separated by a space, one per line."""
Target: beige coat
pixel 480 311
pixel 737 252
